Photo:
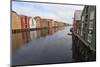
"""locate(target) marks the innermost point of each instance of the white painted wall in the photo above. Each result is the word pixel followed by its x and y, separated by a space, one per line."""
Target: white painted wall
pixel 32 23
pixel 78 14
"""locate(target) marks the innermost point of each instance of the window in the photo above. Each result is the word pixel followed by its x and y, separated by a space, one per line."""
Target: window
pixel 78 30
pixel 17 18
pixel 86 19
pixel 82 18
pixel 89 38
pixel 91 25
pixel 81 29
pixel 92 15
pixel 81 33
pixel 82 25
pixel 90 31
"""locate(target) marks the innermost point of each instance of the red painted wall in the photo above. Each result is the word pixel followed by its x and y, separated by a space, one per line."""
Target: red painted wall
pixel 25 22
pixel 22 22
pixel 28 24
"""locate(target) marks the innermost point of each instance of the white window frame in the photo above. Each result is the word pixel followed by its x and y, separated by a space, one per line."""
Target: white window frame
pixel 91 25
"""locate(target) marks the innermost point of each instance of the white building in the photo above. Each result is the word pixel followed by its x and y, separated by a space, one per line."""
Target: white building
pixel 77 14
pixel 32 23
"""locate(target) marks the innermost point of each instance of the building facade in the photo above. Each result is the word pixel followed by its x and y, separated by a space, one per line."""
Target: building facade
pixel 25 24
pixel 84 44
pixel 15 23
pixel 88 25
pixel 38 21
pixel 44 23
pixel 76 21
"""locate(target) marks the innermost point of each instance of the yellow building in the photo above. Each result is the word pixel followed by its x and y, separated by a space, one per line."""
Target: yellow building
pixel 15 23
pixel 38 21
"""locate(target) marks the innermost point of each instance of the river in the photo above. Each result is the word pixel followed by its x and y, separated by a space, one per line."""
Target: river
pixel 42 46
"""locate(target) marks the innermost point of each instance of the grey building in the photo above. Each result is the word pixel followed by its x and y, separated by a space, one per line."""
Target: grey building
pixel 88 26
pixel 84 44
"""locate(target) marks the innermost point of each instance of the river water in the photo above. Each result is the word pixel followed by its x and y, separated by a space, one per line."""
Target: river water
pixel 42 46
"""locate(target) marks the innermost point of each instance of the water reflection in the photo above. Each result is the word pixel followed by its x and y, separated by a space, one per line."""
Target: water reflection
pixel 42 46
pixel 25 37
pixel 16 40
pixel 33 35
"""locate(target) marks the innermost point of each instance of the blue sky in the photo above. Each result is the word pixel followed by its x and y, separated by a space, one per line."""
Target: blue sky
pixel 57 12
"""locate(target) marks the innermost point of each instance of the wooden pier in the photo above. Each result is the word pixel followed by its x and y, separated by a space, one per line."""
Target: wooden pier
pixel 82 50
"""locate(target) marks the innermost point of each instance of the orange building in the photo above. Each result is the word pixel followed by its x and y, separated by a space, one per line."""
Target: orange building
pixel 44 23
pixel 15 23
pixel 60 24
pixel 55 24
pixel 50 23
pixel 38 21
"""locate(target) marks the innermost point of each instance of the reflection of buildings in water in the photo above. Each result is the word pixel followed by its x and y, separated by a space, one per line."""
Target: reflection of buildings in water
pixel 56 29
pixel 16 40
pixel 26 36
pixel 33 35
pixel 50 31
pixel 19 38
pixel 41 33
pixel 61 28
pixel 38 32
pixel 44 32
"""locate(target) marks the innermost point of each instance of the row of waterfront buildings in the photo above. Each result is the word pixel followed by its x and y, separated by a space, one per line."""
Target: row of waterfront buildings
pixel 22 22
pixel 84 33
